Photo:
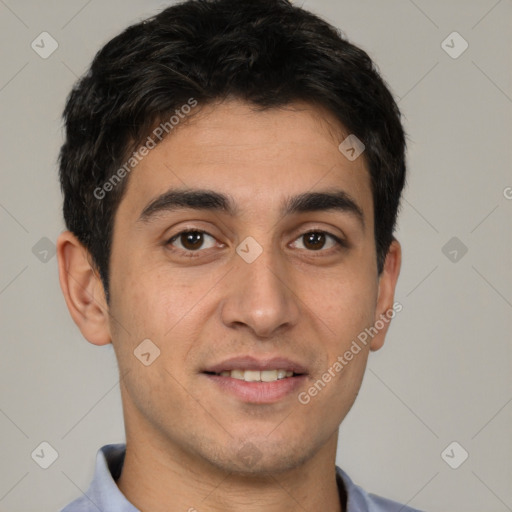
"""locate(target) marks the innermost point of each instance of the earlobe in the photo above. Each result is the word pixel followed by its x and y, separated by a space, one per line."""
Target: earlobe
pixel 386 294
pixel 83 290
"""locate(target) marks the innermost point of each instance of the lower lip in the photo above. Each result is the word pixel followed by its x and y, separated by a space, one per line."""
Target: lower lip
pixel 258 392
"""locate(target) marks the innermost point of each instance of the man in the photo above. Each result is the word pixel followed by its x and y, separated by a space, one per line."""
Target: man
pixel 231 174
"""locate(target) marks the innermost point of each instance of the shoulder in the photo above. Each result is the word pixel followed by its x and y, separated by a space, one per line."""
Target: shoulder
pixel 358 500
pixel 103 493
pixel 81 504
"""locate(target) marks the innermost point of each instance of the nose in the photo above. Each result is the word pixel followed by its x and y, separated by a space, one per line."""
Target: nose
pixel 260 296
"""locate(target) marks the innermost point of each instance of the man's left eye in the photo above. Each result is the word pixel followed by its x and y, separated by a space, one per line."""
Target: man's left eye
pixel 315 238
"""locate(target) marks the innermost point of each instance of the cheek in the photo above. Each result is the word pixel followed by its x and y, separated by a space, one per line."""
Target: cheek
pixel 151 299
pixel 161 307
pixel 345 304
pixel 146 308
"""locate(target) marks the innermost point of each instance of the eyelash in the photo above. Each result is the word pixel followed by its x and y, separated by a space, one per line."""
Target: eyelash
pixel 341 244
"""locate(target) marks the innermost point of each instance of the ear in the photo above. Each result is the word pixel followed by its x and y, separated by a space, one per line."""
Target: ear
pixel 386 293
pixel 83 290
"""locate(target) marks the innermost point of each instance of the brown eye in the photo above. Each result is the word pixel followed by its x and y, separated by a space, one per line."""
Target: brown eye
pixel 316 240
pixel 191 240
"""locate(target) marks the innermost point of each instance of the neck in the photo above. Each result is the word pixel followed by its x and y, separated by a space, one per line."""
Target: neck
pixel 160 477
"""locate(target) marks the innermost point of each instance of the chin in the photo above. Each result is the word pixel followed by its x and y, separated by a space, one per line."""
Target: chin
pixel 260 457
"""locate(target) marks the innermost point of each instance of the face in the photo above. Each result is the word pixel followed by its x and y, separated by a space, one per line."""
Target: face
pixel 260 283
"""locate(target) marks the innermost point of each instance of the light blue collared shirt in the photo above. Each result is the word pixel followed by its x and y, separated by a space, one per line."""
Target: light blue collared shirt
pixel 103 494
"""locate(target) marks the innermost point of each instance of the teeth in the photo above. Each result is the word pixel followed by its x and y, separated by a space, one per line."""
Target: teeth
pixel 256 375
pixel 252 375
pixel 237 374
pixel 268 375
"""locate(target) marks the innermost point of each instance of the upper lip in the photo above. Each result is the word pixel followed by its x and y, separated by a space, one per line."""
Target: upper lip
pixel 253 363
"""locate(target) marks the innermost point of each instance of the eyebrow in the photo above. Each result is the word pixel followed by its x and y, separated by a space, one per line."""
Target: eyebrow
pixel 209 200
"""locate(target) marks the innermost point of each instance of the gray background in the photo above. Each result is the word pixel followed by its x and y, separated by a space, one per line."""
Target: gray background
pixel 444 373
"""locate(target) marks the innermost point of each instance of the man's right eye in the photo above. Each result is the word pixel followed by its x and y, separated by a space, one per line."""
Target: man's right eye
pixel 190 240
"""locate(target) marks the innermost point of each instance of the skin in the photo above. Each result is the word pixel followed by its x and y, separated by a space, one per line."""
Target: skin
pixel 183 434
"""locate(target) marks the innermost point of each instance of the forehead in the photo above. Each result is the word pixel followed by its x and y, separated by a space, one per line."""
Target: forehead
pixel 259 158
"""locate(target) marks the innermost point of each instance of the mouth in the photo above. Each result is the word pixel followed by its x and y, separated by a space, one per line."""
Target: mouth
pixel 257 381
pixel 256 375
